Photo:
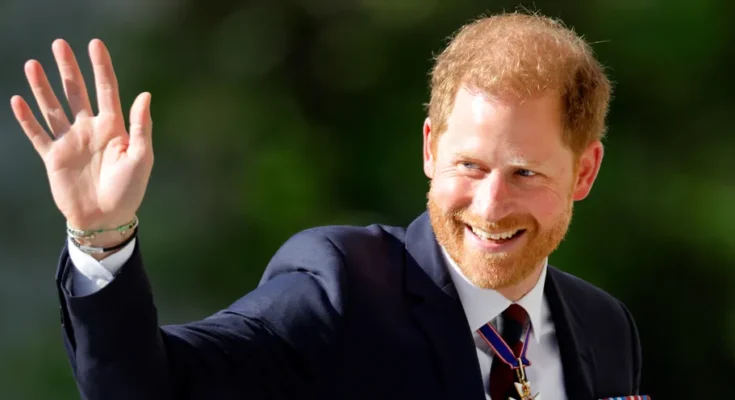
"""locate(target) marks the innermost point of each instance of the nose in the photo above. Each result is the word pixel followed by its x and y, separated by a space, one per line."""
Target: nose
pixel 493 198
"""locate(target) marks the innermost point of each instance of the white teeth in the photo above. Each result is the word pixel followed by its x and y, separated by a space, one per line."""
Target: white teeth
pixel 493 236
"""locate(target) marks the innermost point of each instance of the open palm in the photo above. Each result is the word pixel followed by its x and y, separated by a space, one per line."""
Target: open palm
pixel 98 172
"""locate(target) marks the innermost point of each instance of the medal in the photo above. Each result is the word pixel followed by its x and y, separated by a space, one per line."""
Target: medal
pixel 505 353
pixel 523 386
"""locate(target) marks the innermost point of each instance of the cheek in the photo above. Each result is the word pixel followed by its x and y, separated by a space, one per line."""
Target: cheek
pixel 452 193
pixel 546 206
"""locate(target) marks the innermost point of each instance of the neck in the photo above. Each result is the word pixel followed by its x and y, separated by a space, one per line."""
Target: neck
pixel 516 292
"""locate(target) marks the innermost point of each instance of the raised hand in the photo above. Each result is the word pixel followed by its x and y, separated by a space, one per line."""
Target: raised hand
pixel 98 173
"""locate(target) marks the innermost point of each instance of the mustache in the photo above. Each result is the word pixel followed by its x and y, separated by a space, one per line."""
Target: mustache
pixel 514 221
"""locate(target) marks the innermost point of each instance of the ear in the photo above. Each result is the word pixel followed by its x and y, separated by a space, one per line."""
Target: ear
pixel 588 166
pixel 429 159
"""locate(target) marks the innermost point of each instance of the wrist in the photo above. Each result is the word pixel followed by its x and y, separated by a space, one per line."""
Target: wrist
pixel 107 224
pixel 100 229
pixel 105 239
pixel 101 240
pixel 105 244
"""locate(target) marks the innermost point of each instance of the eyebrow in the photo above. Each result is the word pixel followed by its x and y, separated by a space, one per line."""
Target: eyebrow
pixel 515 161
pixel 521 162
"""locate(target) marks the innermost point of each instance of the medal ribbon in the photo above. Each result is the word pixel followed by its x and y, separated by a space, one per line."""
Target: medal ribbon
pixel 502 350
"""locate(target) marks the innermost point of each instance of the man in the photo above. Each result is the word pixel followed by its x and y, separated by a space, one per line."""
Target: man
pixel 459 305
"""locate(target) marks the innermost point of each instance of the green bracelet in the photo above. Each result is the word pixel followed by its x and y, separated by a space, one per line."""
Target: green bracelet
pixel 80 234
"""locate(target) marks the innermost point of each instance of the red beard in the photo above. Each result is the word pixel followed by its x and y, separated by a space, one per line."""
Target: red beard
pixel 496 270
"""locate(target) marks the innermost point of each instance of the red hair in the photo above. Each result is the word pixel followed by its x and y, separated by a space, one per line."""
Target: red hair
pixel 522 56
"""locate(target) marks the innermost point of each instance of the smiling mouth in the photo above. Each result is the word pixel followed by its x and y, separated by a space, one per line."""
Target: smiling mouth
pixel 497 237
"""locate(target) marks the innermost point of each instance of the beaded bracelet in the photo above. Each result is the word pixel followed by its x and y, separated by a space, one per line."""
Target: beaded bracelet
pixel 97 250
pixel 80 234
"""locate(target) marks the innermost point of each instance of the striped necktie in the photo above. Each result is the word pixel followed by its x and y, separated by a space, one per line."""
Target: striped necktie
pixel 502 377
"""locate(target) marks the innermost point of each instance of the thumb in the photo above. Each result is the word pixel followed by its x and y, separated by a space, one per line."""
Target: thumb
pixel 141 126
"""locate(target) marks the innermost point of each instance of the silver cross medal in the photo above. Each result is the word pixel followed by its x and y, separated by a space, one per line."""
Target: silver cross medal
pixel 524 388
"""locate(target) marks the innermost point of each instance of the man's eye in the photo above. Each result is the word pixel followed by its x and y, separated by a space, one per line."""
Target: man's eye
pixel 526 172
pixel 468 165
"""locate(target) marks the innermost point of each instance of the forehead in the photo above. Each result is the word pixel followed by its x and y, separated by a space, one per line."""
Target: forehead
pixel 531 126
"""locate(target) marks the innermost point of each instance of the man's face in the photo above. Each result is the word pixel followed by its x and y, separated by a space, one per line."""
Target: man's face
pixel 503 184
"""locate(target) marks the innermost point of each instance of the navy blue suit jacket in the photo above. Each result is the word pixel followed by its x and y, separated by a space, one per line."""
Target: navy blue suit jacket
pixel 341 313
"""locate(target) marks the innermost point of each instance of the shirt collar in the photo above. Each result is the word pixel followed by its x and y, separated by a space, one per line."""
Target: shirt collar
pixel 483 305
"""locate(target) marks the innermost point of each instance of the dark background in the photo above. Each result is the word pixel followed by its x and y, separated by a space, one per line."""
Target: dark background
pixel 271 117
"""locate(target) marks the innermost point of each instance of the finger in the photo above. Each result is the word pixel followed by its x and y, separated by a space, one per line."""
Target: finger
pixel 71 76
pixel 108 98
pixel 48 103
pixel 141 126
pixel 39 138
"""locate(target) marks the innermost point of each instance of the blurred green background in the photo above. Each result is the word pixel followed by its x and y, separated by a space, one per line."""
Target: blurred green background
pixel 271 117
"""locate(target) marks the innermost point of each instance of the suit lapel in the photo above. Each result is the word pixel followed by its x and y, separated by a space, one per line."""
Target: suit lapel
pixel 437 310
pixel 574 353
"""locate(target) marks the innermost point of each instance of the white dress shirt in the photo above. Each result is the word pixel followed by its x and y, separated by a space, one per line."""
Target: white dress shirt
pixel 90 275
pixel 480 306
pixel 485 305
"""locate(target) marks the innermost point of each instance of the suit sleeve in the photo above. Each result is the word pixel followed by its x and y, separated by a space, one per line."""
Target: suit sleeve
pixel 636 349
pixel 272 343
pixel 89 275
